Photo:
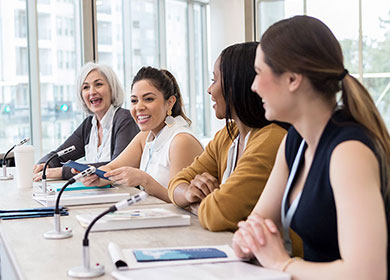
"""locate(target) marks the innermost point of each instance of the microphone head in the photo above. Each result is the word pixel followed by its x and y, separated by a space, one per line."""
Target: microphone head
pixel 134 199
pixel 90 170
pixel 24 141
pixel 66 151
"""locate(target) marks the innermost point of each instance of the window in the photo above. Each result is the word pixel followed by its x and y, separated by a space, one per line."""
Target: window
pixel 41 61
pixel 20 24
pixel 370 64
pixel 177 45
pixel 138 33
pixel 59 61
pixel 14 84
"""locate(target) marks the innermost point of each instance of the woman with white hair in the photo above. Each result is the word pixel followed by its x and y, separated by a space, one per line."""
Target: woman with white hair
pixel 103 135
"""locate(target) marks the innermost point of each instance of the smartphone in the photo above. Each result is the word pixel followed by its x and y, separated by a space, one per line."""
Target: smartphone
pixel 81 167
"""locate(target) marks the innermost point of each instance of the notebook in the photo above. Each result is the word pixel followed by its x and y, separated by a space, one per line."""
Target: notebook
pixel 81 197
pixel 125 259
pixel 135 218
pixel 56 187
pixel 192 268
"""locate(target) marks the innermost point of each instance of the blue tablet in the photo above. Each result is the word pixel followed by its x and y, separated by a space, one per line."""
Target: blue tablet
pixel 152 255
pixel 81 167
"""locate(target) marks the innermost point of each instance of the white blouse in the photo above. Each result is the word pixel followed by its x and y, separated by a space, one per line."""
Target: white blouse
pixel 93 153
pixel 155 157
pixel 232 157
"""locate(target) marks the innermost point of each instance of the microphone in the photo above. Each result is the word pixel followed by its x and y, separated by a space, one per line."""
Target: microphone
pixel 57 233
pixel 10 176
pixel 58 154
pixel 86 271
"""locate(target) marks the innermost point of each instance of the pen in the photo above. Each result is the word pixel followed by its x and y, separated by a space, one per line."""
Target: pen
pixel 42 209
pixel 40 215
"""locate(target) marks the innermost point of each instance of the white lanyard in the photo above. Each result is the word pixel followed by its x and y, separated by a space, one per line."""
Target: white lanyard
pixel 286 218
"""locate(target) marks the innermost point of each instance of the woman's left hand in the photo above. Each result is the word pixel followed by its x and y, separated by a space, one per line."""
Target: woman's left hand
pixel 264 240
pixel 52 173
pixel 127 176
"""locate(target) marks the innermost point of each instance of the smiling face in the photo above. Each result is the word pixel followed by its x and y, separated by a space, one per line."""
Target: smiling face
pixel 269 87
pixel 148 106
pixel 96 94
pixel 215 90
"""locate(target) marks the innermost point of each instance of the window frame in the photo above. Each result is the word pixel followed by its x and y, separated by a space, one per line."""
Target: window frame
pixel 89 52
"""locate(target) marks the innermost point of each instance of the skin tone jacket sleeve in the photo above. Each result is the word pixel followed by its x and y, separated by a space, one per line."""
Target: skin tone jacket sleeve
pixel 235 199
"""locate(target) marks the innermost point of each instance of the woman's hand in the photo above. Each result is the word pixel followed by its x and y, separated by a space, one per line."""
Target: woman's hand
pixel 260 237
pixel 52 173
pixel 38 167
pixel 127 176
pixel 92 180
pixel 200 187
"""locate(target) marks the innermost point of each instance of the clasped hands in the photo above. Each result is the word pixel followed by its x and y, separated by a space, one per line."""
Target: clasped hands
pixel 200 187
pixel 260 238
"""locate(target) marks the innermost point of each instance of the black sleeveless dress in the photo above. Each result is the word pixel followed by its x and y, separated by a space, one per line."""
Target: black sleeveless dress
pixel 315 219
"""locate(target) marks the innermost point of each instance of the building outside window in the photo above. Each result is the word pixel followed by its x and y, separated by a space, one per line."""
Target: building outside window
pixel 365 50
pixel 130 34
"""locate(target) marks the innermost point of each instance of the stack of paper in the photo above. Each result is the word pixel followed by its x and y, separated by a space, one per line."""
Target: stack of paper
pixel 208 262
pixel 81 197
pixel 135 218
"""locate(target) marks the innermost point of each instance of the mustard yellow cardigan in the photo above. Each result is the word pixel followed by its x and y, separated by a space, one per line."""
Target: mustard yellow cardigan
pixel 235 199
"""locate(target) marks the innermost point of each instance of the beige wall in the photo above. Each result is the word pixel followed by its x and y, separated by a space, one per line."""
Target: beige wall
pixel 227 27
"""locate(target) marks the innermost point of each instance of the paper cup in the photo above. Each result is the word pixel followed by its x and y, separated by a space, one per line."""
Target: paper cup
pixel 24 162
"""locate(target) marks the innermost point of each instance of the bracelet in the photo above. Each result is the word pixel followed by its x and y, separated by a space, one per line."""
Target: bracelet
pixel 288 262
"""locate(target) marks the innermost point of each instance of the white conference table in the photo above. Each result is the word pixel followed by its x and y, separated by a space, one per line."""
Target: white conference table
pixel 25 254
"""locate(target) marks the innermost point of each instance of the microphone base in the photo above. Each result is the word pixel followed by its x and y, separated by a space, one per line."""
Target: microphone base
pixel 83 272
pixel 54 234
pixel 7 177
pixel 41 193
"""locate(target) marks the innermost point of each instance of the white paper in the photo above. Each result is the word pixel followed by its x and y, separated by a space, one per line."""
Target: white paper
pixel 133 264
pixel 116 256
pixel 231 270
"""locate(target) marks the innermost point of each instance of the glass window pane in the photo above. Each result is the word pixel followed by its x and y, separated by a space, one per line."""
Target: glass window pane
pixel 199 54
pixel 177 45
pixel 126 51
pixel 376 50
pixel 268 12
pixel 144 34
pixel 59 60
pixel 129 38
pixel 14 81
pixel 347 34
pixel 110 34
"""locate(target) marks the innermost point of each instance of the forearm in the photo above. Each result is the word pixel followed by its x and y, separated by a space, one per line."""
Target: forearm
pixel 339 269
pixel 179 195
pixel 153 187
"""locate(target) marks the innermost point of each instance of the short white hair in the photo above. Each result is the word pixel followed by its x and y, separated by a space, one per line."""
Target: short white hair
pixel 117 92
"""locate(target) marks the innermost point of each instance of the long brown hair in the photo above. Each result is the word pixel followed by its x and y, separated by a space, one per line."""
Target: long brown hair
pixel 305 45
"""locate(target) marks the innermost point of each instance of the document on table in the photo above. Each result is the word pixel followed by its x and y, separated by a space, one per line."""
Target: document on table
pixel 154 257
pixel 81 197
pixel 135 218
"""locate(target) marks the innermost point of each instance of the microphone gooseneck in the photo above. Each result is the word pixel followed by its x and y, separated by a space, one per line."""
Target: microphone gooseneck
pixel 109 210
pixel 80 175
pixel 58 154
pixel 6 154
pixel 57 233
pixel 86 271
pixel 4 165
pixel 45 166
